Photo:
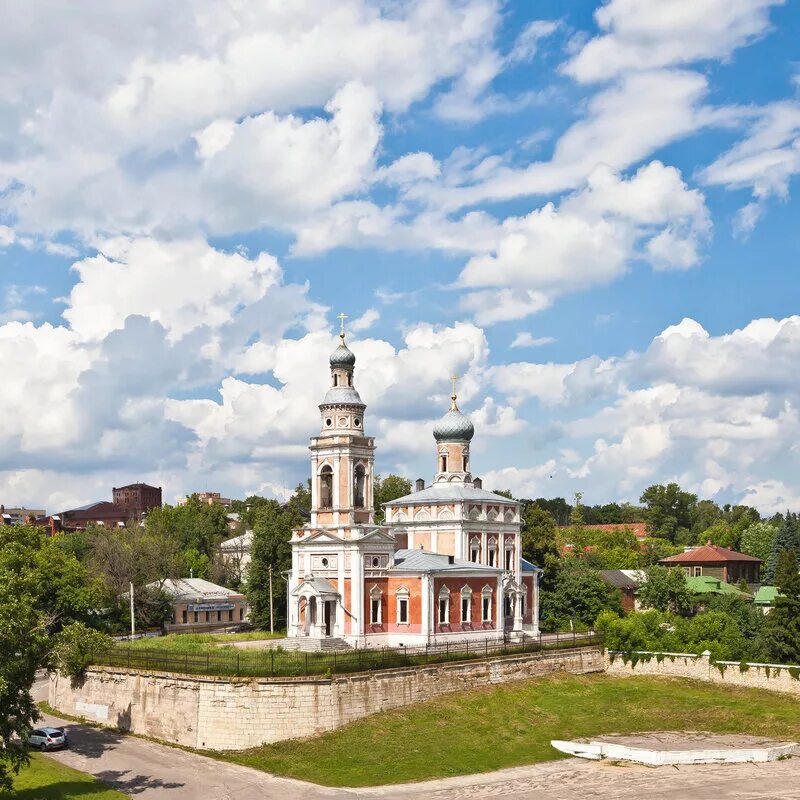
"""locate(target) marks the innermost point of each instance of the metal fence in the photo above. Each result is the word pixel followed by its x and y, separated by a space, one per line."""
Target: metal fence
pixel 294 663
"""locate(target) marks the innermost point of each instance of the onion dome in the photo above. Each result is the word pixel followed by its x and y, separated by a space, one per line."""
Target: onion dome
pixel 343 356
pixel 453 426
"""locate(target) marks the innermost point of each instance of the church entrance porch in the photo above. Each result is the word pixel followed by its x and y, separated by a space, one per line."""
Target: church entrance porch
pixel 313 606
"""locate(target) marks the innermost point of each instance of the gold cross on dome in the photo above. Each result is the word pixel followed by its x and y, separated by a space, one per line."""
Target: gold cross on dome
pixel 342 318
pixel 453 396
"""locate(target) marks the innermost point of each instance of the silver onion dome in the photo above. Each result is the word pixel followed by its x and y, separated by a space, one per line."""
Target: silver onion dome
pixel 453 426
pixel 343 356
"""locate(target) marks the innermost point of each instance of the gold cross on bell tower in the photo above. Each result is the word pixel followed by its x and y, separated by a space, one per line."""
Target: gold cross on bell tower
pixel 342 318
pixel 453 396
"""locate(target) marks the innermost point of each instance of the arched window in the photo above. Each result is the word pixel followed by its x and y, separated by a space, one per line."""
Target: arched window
pixel 443 464
pixel 358 486
pixel 444 606
pixel 376 613
pixel 492 551
pixel 486 603
pixel 335 380
pixel 466 463
pixel 475 549
pixel 326 487
pixel 466 604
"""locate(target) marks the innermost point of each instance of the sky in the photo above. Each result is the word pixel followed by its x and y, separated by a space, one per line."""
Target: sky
pixel 588 211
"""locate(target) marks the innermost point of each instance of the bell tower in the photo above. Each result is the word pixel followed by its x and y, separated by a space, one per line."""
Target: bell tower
pixel 342 456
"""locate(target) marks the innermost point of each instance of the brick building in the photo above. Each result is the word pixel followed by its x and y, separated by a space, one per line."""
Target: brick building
pixel 137 498
pixel 447 562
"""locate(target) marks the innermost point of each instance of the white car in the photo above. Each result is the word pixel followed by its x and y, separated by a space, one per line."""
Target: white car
pixel 48 738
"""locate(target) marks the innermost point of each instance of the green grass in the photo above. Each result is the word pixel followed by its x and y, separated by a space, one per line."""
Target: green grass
pixel 512 725
pixel 45 779
pixel 197 642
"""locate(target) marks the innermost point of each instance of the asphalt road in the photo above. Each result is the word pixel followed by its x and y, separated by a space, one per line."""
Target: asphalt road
pixel 151 771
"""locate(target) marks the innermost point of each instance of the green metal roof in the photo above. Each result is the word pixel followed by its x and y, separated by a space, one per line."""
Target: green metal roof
pixel 766 595
pixel 706 584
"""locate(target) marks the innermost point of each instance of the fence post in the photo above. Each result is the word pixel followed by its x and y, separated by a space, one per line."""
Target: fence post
pixel 334 662
pixel 208 662
pixel 306 664
pixel 186 662
pixel 271 662
pixel 360 667
pixel 238 671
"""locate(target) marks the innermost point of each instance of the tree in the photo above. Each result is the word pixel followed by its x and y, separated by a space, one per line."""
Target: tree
pixel 387 489
pixel 787 538
pixel 271 549
pixel 722 534
pixel 669 511
pixel 145 558
pixel 579 596
pixel 194 526
pixel 781 634
pixel 42 589
pixel 653 550
pixel 665 589
pixel 757 539
pixel 539 543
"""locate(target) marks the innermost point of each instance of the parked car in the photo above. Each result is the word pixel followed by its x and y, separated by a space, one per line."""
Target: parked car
pixel 48 738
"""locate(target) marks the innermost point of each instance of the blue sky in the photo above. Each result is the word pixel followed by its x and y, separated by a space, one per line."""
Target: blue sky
pixel 587 210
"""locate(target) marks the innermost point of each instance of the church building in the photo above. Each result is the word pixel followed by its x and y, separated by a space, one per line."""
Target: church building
pixel 445 565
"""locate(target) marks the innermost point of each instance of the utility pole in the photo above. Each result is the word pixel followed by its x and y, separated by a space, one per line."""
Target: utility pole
pixel 271 614
pixel 133 618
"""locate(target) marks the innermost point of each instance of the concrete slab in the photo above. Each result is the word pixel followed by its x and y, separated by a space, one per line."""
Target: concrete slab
pixel 673 747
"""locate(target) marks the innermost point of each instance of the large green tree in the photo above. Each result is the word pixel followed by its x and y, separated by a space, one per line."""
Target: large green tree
pixel 272 549
pixel 539 542
pixel 580 594
pixel 665 589
pixel 669 511
pixel 781 633
pixel 787 538
pixel 757 539
pixel 43 589
pixel 194 526
pixel 141 556
pixel 387 489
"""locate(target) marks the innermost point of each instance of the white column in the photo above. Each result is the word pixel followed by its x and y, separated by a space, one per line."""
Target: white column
pixel 499 616
pixel 425 587
pixel 340 588
pixel 535 601
pixel 357 583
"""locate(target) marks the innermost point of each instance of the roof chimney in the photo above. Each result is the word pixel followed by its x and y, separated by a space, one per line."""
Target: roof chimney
pixel 451 559
pixel 477 483
pixel 419 484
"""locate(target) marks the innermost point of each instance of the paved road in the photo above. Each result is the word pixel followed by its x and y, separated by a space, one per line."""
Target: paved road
pixel 150 771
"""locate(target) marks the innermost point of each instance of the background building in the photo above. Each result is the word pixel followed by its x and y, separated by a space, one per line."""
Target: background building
pixel 137 498
pixel 717 562
pixel 199 605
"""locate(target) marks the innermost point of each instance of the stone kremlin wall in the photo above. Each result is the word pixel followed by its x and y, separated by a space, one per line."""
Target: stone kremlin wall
pixel 775 677
pixel 234 714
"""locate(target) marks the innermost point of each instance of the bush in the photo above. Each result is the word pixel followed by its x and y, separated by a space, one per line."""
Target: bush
pixel 74 648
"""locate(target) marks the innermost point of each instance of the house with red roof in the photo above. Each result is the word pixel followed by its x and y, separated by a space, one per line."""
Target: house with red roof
pixel 716 562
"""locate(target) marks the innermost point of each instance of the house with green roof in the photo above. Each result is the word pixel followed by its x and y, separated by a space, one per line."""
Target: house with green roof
pixel 765 598
pixel 707 584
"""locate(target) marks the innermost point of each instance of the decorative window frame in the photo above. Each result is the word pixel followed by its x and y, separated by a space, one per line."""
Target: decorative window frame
pixel 491 551
pixel 508 549
pixel 486 597
pixel 465 594
pixel 444 595
pixel 475 545
pixel 402 595
pixel 375 593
